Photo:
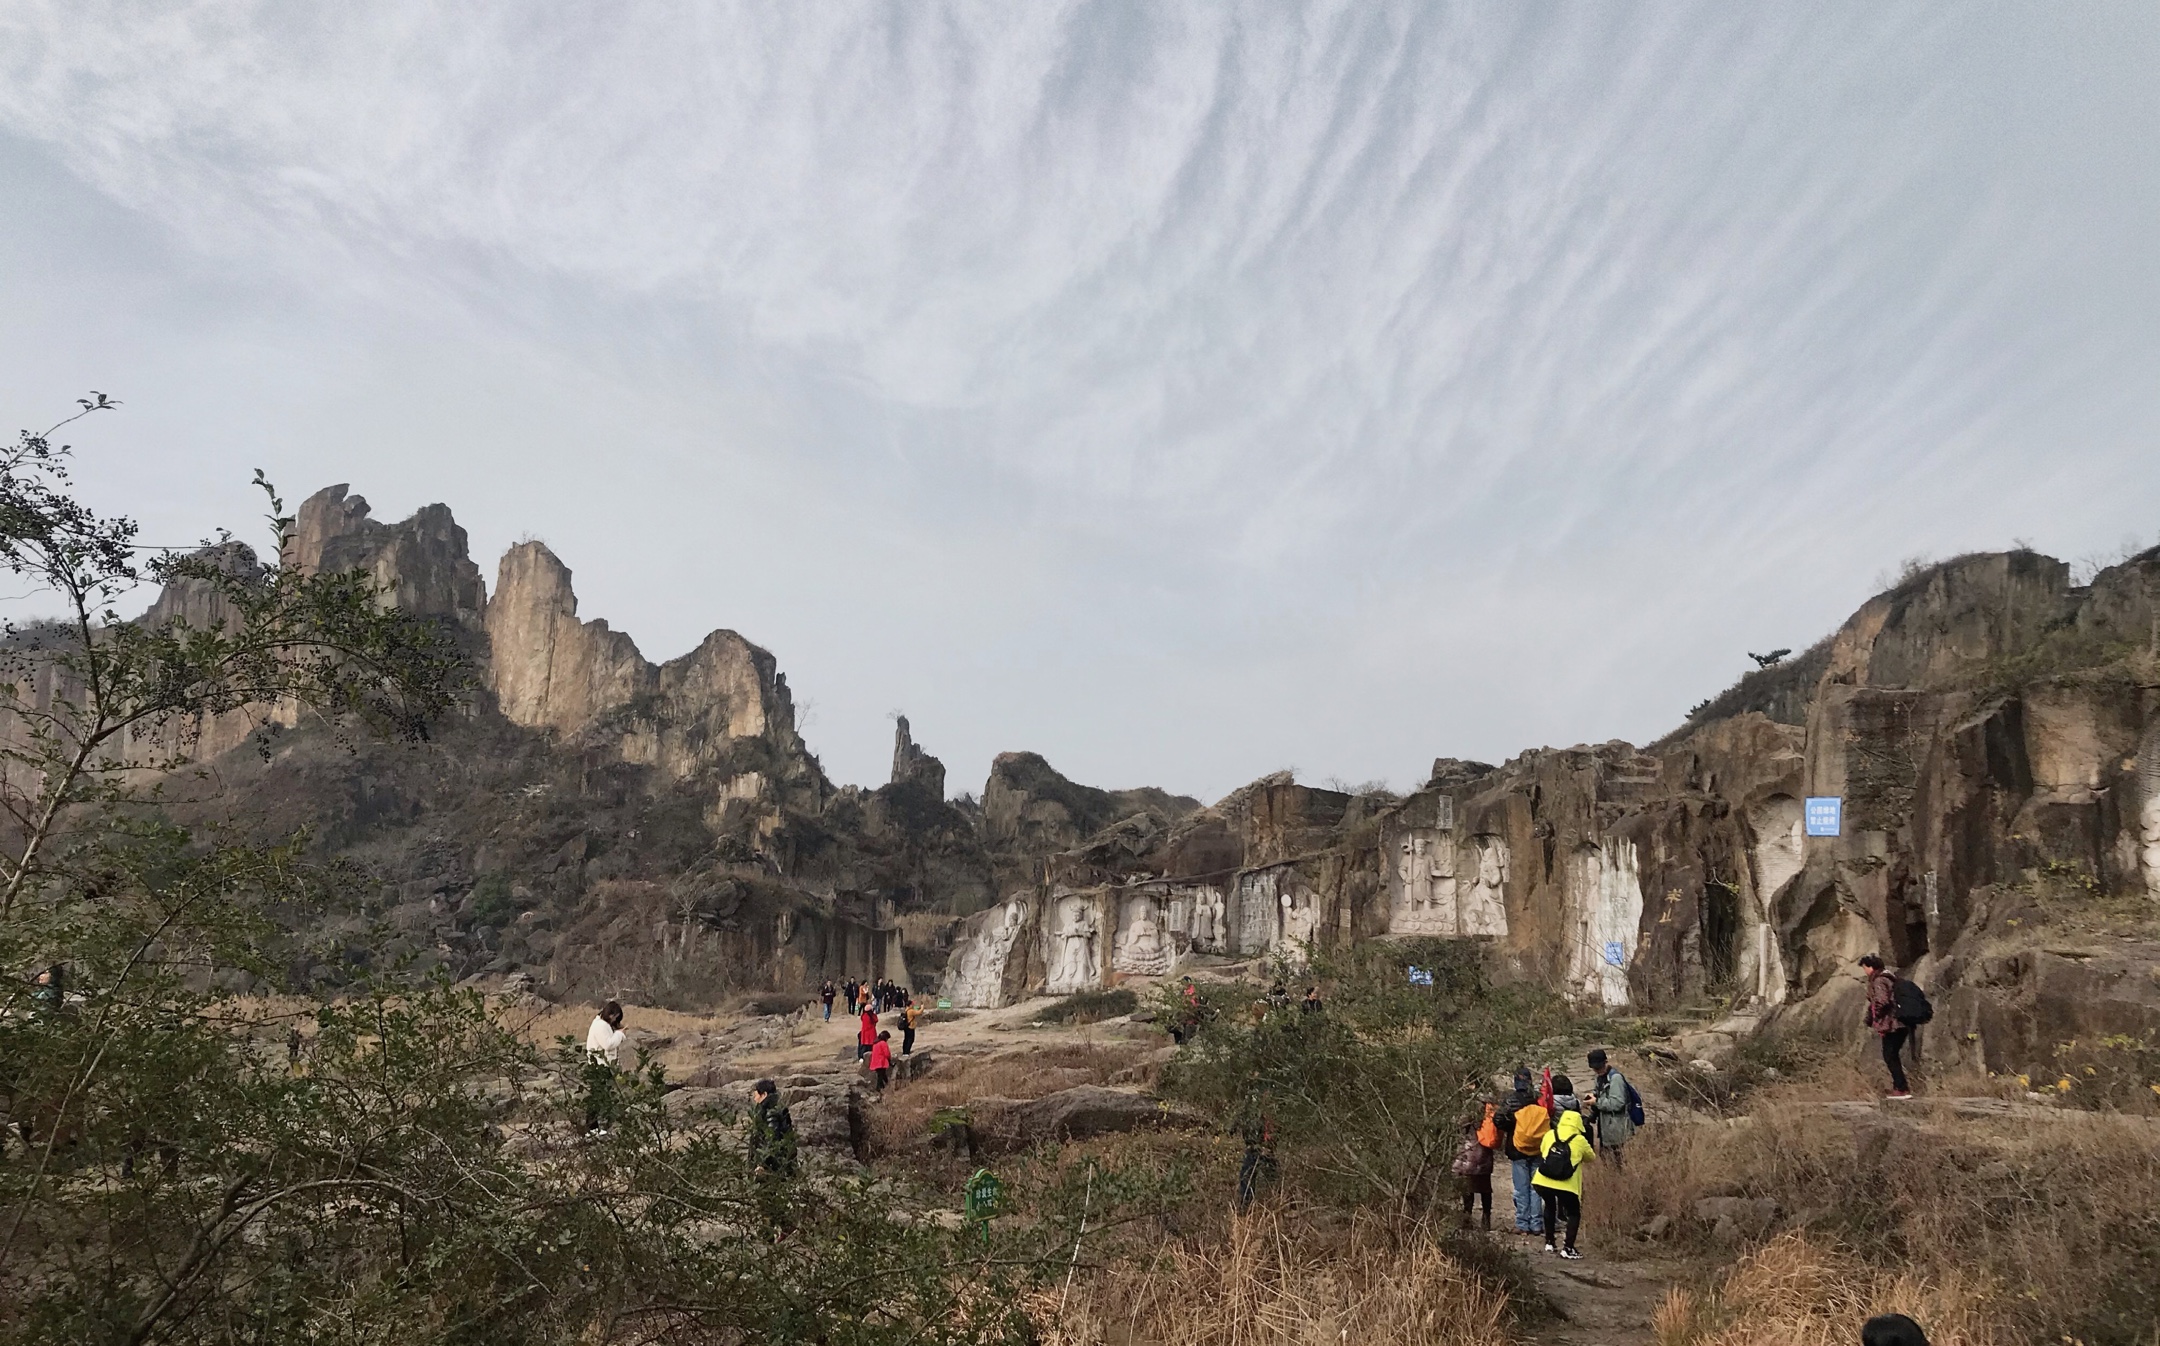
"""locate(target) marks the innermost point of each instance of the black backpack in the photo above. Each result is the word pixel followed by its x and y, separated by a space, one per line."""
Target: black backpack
pixel 1559 1161
pixel 1909 1003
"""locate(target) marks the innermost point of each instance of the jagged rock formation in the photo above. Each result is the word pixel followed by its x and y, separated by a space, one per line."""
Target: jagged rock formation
pixel 911 765
pixel 1993 731
pixel 721 713
pixel 422 565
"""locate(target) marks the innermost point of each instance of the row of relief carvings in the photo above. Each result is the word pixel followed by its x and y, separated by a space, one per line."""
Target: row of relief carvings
pixel 1436 887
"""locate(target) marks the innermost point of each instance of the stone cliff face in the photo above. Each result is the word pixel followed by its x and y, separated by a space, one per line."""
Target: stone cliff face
pixel 1992 730
pixel 601 819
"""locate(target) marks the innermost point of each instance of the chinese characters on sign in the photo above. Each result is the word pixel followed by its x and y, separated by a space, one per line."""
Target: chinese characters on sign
pixel 1825 815
pixel 1421 976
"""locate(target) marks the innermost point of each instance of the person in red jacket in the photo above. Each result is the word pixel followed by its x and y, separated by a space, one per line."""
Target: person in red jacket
pixel 881 1060
pixel 867 1034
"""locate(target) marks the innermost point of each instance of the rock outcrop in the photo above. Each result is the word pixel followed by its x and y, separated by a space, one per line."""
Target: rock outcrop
pixel 1992 730
pixel 423 565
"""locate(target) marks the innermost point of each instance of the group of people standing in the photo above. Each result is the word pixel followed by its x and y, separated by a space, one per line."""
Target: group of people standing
pixel 1548 1134
pixel 873 1042
pixel 857 996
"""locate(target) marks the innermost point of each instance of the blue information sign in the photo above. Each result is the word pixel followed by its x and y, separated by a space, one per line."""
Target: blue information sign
pixel 1825 815
pixel 1615 953
pixel 1421 976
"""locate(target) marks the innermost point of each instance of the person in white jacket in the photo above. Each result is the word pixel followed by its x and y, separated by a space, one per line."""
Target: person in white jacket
pixel 603 1046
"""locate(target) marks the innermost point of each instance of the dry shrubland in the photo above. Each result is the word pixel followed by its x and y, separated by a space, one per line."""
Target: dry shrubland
pixel 1794 1291
pixel 2024 1227
pixel 1276 1279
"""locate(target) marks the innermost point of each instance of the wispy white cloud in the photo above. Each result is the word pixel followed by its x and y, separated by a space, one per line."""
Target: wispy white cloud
pixel 1334 383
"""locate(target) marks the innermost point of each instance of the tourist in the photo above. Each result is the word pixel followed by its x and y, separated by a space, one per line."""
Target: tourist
pixel 881 1060
pixel 1474 1164
pixel 772 1131
pixel 825 993
pixel 1891 1329
pixel 1611 1109
pixel 1523 1124
pixel 603 1047
pixel 866 1032
pixel 909 1017
pixel 1312 1000
pixel 1558 1176
pixel 1883 1018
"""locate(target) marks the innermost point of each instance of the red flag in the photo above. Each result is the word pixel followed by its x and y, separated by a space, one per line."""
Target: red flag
pixel 1545 1093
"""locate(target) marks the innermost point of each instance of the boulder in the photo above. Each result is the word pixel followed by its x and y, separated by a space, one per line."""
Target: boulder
pixel 1735 1219
pixel 1069 1114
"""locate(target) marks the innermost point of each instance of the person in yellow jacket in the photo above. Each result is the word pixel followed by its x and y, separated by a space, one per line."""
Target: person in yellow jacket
pixel 1558 1178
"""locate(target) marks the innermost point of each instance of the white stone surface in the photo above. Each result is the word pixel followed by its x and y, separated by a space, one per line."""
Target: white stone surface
pixel 1605 916
pixel 976 977
pixel 2149 810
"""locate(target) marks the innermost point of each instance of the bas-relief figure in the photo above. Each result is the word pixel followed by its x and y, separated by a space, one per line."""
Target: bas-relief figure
pixel 1074 965
pixel 2149 810
pixel 1143 945
pixel 1300 922
pixel 1423 898
pixel 1210 926
pixel 2149 835
pixel 977 979
pixel 1483 906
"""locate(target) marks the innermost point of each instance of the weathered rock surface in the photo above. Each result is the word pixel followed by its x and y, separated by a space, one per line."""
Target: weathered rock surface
pixel 662 829
pixel 1078 1113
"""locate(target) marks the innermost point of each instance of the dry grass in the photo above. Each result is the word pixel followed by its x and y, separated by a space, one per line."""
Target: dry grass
pixel 1273 1280
pixel 2042 1225
pixel 1795 1292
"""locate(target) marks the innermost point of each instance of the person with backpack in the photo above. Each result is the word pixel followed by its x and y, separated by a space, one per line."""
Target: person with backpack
pixel 1522 1123
pixel 1558 1179
pixel 825 993
pixel 772 1131
pixel 1895 1007
pixel 1474 1165
pixel 1615 1107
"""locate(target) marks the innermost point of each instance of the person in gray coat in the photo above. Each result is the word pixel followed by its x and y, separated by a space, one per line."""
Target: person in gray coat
pixel 1609 1107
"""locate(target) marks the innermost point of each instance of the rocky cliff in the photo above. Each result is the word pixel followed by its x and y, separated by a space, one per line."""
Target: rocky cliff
pixel 1992 730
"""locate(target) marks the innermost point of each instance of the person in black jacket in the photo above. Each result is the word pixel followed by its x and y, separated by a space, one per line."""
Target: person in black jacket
pixel 772 1132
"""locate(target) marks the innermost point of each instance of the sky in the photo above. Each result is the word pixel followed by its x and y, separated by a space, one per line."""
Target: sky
pixel 1181 392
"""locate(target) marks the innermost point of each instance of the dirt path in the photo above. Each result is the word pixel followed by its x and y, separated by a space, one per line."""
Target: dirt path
pixel 1600 1302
